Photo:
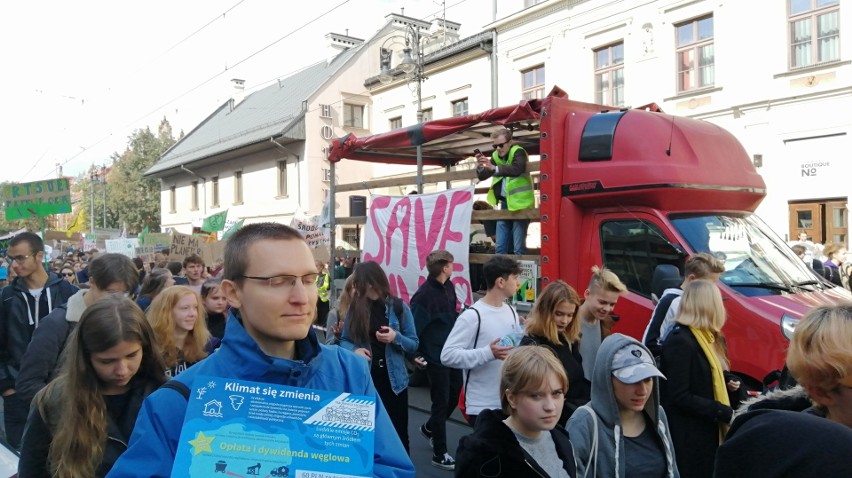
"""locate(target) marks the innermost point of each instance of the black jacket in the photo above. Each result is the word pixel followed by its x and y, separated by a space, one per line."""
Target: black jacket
pixel 38 433
pixel 16 306
pixel 687 397
pixel 579 389
pixel 434 310
pixel 41 362
pixel 493 451
pixel 782 443
pixel 216 325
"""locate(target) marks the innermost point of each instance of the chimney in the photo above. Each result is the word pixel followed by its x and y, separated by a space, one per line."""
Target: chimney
pixel 338 43
pixel 236 92
pixel 442 33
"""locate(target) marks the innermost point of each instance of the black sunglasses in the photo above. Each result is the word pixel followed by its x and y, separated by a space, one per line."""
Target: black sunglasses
pixel 497 146
pixel 67 274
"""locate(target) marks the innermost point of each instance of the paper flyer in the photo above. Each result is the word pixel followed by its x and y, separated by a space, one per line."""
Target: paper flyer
pixel 236 428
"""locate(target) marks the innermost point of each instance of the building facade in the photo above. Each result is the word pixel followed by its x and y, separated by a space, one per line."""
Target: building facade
pixel 777 74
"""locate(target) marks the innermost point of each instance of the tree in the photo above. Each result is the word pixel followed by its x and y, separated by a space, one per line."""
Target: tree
pixel 134 199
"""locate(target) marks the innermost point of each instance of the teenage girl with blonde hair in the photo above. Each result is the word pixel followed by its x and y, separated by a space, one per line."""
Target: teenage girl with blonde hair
pixel 177 316
pixel 524 438
pixel 552 324
pixel 696 395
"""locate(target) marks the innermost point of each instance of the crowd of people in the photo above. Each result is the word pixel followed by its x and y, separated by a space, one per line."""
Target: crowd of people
pixel 85 356
pixel 664 406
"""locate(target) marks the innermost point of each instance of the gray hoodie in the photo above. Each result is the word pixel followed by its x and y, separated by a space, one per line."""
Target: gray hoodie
pixel 600 416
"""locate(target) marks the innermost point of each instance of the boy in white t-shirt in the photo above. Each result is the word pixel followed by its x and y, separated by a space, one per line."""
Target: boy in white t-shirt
pixel 475 344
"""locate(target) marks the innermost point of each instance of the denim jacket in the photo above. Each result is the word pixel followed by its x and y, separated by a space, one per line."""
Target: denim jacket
pixel 405 342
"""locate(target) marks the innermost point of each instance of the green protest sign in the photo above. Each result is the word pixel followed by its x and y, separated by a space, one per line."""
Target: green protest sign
pixel 36 199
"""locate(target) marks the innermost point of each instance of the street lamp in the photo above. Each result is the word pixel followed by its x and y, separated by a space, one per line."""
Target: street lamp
pixel 97 175
pixel 412 66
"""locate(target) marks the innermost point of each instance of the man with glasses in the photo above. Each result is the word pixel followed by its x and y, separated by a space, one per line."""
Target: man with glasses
pixel 109 274
pixel 511 188
pixel 32 295
pixel 270 282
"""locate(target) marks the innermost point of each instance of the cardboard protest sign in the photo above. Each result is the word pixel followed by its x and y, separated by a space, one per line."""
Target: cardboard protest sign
pixel 184 245
pixel 403 230
pixel 146 253
pixel 213 252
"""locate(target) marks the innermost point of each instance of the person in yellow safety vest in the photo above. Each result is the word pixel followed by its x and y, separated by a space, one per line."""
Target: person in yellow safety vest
pixel 511 188
pixel 323 284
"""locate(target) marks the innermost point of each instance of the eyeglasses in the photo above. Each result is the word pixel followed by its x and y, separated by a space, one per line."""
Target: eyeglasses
pixel 67 274
pixel 286 281
pixel 18 259
pixel 498 146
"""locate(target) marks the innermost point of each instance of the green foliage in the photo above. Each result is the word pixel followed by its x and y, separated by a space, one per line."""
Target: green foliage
pixel 133 199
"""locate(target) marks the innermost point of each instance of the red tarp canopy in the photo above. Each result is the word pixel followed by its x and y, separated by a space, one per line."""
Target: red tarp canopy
pixel 444 142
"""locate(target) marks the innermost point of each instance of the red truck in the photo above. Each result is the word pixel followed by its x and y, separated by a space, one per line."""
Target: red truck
pixel 638 191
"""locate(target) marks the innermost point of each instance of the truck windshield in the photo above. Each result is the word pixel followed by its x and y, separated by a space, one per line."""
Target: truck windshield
pixel 756 261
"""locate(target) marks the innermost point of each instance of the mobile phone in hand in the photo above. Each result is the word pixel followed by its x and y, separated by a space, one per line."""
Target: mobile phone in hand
pixel 477 151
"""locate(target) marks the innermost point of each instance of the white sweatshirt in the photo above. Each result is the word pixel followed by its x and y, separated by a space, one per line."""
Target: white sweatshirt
pixel 483 384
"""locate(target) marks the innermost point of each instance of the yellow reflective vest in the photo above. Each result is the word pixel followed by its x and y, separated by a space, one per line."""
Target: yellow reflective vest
pixel 322 286
pixel 519 190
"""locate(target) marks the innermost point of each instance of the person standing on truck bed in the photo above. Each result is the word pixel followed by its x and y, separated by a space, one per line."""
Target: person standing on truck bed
pixel 594 313
pixel 511 187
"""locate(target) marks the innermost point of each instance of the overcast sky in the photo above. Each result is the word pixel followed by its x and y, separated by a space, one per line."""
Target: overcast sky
pixel 79 77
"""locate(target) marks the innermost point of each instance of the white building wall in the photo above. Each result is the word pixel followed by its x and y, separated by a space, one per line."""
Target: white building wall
pixel 772 110
pixel 260 203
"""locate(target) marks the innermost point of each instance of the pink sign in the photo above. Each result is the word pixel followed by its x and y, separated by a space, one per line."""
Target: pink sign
pixel 403 230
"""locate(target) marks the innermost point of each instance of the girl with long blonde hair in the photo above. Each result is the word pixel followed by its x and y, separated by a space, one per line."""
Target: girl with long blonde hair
pixel 177 316
pixel 82 421
pixel 697 395
pixel 552 323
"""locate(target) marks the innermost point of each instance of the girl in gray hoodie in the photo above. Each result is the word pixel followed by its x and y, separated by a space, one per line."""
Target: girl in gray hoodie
pixel 623 432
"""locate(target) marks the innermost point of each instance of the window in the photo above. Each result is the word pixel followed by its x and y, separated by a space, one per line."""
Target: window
pixel 695 57
pixel 282 178
pixel 814 32
pixel 238 187
pixel 529 3
pixel 326 174
pixel 172 199
pixel 609 75
pixel 427 114
pixel 325 111
pixel 353 116
pixel 350 235
pixel 532 83
pixel 214 191
pixel 460 107
pixel 194 196
pixel 633 248
pixel 395 123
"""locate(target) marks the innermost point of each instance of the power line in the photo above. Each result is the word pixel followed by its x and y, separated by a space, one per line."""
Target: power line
pixel 208 80
pixel 217 17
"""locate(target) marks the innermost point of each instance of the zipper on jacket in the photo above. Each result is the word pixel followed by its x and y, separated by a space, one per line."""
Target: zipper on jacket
pixel 533 468
pixel 117 440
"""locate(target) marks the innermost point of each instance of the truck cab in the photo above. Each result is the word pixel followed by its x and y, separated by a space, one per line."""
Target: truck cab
pixel 638 191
